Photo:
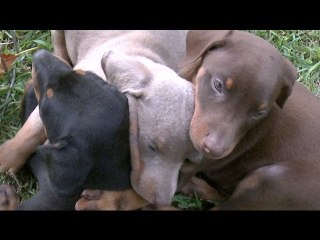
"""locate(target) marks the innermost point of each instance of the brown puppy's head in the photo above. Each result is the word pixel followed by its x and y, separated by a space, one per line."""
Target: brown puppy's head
pixel 238 77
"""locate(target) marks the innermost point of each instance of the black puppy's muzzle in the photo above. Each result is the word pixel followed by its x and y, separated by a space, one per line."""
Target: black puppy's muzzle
pixel 47 69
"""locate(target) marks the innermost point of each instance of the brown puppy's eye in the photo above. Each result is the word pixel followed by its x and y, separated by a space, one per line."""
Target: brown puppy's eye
pixel 217 84
pixel 259 114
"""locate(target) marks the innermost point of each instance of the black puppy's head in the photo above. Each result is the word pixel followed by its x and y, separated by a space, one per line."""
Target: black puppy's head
pixel 87 122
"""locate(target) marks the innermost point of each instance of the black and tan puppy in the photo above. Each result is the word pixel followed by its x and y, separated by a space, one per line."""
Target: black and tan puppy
pixel 258 130
pixel 87 125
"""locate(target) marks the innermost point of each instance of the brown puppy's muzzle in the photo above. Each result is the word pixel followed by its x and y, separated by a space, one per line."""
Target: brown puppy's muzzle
pixel 214 142
pixel 215 147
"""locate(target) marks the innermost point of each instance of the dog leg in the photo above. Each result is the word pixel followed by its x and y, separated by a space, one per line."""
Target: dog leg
pixel 201 189
pixel 15 152
pixel 9 200
pixel 275 187
pixel 110 200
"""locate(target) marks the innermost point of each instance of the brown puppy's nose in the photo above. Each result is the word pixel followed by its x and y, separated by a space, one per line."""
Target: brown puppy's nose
pixel 213 148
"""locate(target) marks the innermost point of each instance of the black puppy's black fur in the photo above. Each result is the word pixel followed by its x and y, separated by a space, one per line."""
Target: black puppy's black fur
pixel 87 125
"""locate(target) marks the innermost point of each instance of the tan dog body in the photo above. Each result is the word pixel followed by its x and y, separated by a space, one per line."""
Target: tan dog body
pixel 85 49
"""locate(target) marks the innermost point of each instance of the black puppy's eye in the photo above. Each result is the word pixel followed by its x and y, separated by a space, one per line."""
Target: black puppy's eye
pixel 44 99
pixel 217 84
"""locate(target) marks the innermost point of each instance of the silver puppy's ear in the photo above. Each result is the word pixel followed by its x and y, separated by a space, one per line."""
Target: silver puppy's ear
pixel 127 73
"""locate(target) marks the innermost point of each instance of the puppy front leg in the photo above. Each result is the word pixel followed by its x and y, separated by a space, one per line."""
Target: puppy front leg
pixel 15 152
pixel 201 189
pixel 110 200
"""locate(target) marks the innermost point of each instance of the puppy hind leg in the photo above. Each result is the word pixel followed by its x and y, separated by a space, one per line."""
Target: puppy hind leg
pixel 273 187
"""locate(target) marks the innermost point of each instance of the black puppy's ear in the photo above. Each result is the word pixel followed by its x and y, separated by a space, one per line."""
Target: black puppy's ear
pixel 67 167
pixel 52 152
pixel 29 101
pixel 199 42
pixel 288 78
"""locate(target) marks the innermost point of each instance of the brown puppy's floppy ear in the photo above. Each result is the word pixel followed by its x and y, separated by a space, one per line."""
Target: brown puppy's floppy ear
pixel 199 42
pixel 289 77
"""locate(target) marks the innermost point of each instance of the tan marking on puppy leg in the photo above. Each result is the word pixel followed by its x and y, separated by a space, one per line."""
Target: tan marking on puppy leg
pixel 110 200
pixel 80 72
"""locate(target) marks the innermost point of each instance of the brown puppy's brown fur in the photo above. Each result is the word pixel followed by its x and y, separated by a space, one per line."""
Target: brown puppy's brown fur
pixel 261 146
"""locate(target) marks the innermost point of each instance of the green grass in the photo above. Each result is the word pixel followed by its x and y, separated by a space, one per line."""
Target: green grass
pixel 302 48
pixel 11 90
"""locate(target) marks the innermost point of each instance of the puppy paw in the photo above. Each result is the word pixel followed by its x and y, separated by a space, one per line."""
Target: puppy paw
pixel 10 158
pixel 201 189
pixel 89 200
pixel 110 200
pixel 9 200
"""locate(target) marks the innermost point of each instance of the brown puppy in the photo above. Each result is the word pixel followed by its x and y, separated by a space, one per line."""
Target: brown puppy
pixel 261 148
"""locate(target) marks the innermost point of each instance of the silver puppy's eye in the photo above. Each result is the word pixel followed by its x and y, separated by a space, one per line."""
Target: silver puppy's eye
pixel 152 147
pixel 217 84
